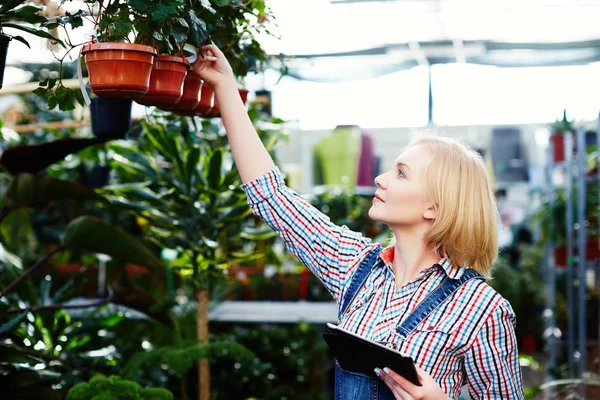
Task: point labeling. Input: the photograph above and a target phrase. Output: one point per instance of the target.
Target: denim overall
(355, 386)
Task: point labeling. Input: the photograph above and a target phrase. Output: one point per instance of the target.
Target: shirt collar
(387, 256)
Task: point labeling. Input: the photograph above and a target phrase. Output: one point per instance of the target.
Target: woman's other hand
(212, 66)
(405, 390)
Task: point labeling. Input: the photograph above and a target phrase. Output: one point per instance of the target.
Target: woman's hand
(212, 66)
(405, 390)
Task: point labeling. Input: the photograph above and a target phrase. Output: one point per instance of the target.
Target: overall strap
(360, 276)
(448, 287)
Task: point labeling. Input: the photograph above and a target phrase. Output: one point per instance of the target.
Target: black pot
(4, 39)
(111, 118)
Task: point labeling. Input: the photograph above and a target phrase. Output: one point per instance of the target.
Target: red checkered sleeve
(326, 249)
(492, 363)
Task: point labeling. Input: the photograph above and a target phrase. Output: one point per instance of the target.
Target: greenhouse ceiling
(368, 38)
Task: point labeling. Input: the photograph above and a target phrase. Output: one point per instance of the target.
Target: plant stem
(31, 269)
(60, 307)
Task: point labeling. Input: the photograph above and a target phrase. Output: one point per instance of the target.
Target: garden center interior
(129, 257)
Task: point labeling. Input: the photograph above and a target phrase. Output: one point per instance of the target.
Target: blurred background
(121, 245)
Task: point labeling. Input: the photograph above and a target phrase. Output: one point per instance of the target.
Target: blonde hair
(465, 229)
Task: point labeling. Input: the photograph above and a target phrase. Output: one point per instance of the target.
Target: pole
(569, 222)
(549, 271)
(581, 183)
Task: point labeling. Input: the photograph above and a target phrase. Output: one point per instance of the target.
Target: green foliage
(93, 235)
(181, 360)
(27, 190)
(185, 185)
(552, 215)
(523, 287)
(14, 10)
(113, 387)
(57, 94)
(293, 360)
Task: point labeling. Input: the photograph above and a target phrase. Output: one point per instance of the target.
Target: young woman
(426, 294)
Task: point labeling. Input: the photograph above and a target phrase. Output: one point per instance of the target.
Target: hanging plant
(15, 15)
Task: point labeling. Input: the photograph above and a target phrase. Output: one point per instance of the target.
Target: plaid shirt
(469, 339)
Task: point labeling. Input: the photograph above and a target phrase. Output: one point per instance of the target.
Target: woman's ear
(431, 212)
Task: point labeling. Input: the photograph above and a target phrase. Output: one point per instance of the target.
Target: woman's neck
(411, 256)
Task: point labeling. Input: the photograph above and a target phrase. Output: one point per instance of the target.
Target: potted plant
(114, 387)
(559, 128)
(552, 218)
(12, 12)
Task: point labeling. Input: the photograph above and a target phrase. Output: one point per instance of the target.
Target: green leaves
(27, 190)
(36, 32)
(9, 5)
(34, 158)
(93, 235)
(212, 169)
(57, 94)
(27, 14)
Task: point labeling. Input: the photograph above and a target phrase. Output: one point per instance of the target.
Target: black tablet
(357, 354)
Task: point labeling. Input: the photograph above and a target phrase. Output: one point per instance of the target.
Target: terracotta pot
(166, 81)
(559, 147)
(529, 344)
(192, 88)
(592, 252)
(215, 113)
(207, 101)
(134, 271)
(119, 69)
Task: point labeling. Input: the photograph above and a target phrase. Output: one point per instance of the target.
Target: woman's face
(400, 200)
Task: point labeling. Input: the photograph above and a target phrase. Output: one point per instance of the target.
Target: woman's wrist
(226, 85)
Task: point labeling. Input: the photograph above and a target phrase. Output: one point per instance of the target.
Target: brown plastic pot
(215, 113)
(192, 87)
(119, 69)
(166, 81)
(207, 101)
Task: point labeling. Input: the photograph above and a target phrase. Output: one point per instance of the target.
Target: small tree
(187, 188)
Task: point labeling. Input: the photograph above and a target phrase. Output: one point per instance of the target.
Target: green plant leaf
(258, 233)
(26, 190)
(35, 32)
(12, 324)
(93, 235)
(22, 40)
(28, 14)
(34, 158)
(191, 164)
(9, 5)
(215, 161)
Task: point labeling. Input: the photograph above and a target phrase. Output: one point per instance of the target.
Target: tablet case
(359, 355)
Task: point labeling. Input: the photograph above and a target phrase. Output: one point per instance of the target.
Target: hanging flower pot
(215, 113)
(192, 87)
(4, 40)
(119, 69)
(110, 117)
(207, 101)
(166, 81)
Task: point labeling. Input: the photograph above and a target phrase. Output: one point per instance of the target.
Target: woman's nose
(379, 181)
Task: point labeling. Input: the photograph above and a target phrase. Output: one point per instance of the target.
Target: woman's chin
(373, 214)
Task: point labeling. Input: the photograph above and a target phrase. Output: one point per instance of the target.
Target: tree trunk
(202, 327)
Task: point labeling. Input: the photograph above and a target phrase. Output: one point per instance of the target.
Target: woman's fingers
(400, 386)
(212, 47)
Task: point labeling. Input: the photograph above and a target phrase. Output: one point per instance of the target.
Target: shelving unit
(577, 267)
